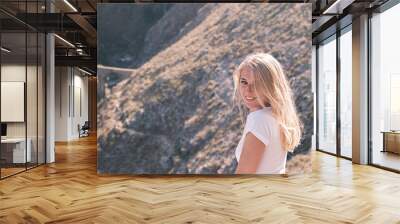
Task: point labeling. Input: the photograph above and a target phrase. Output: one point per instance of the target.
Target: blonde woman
(272, 126)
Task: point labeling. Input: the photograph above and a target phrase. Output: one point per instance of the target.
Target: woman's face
(247, 90)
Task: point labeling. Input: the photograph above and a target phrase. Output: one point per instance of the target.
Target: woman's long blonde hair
(271, 84)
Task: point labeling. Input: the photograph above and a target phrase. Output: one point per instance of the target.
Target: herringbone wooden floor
(70, 191)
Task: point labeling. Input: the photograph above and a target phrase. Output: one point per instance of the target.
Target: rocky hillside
(174, 112)
(122, 30)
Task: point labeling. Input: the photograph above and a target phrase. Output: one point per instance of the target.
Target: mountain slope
(174, 114)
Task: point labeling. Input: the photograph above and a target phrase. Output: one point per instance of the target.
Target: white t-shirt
(263, 125)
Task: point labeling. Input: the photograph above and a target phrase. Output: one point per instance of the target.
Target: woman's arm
(250, 157)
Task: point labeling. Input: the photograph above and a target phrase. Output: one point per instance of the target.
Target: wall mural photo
(204, 88)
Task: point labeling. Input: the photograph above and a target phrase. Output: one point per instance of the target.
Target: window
(22, 88)
(327, 95)
(346, 92)
(385, 88)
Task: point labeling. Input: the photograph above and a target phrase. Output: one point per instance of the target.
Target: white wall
(12, 73)
(12, 100)
(33, 126)
(70, 83)
(62, 81)
(9, 73)
(80, 89)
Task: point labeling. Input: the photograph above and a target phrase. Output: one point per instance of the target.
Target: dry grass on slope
(181, 97)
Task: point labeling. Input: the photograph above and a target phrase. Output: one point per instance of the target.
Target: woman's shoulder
(262, 120)
(262, 123)
(262, 115)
